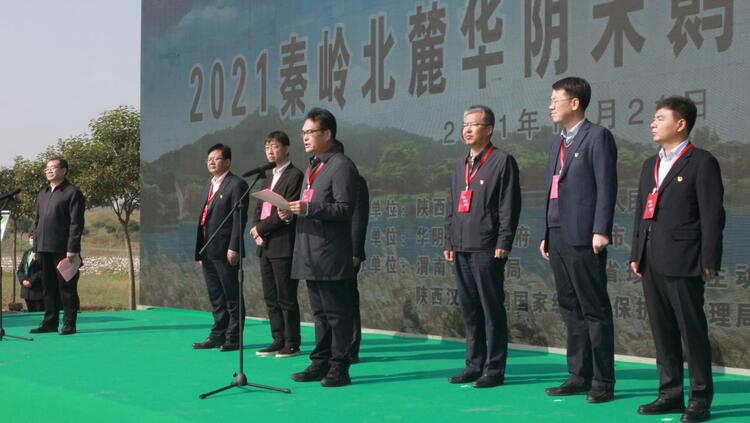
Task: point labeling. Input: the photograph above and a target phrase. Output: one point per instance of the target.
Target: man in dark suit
(482, 213)
(581, 192)
(677, 244)
(275, 240)
(29, 274)
(220, 260)
(360, 218)
(58, 228)
(323, 248)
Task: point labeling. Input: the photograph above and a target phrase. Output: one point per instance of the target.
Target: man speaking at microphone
(220, 259)
(323, 248)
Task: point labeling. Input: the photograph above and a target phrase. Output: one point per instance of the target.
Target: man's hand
(599, 242)
(709, 274)
(634, 268)
(35, 256)
(448, 255)
(254, 232)
(26, 283)
(356, 261)
(232, 257)
(259, 241)
(284, 214)
(543, 250)
(71, 256)
(298, 207)
(501, 253)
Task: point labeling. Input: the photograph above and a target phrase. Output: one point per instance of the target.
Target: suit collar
(675, 169)
(574, 146)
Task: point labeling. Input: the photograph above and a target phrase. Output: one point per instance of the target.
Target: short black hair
(682, 107)
(279, 136)
(324, 118)
(226, 152)
(488, 117)
(63, 163)
(576, 88)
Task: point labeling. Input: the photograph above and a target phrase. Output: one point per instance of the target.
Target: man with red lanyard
(481, 220)
(677, 245)
(323, 248)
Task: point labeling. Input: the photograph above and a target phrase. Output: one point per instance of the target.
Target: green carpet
(139, 366)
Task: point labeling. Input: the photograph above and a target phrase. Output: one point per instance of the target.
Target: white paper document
(273, 198)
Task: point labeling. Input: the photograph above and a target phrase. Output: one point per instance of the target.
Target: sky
(63, 63)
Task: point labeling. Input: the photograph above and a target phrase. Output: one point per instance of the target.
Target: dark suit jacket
(687, 229)
(495, 206)
(58, 225)
(323, 246)
(360, 219)
(279, 235)
(33, 273)
(231, 234)
(587, 188)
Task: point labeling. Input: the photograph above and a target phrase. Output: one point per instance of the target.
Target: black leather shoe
(43, 329)
(567, 389)
(288, 351)
(336, 377)
(270, 350)
(229, 346)
(68, 330)
(696, 413)
(662, 406)
(487, 381)
(310, 374)
(464, 377)
(596, 396)
(206, 345)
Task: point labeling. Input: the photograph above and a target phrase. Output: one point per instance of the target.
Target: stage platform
(138, 366)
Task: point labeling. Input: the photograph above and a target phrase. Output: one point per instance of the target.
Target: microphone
(11, 194)
(262, 170)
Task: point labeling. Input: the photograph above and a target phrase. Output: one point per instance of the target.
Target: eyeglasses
(310, 131)
(214, 159)
(473, 125)
(554, 101)
(51, 168)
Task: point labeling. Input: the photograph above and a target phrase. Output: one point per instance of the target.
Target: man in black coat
(275, 240)
(220, 260)
(29, 274)
(323, 248)
(677, 245)
(58, 228)
(480, 223)
(580, 206)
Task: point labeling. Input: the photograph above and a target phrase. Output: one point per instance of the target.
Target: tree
(110, 173)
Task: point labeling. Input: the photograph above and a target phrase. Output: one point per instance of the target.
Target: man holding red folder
(58, 227)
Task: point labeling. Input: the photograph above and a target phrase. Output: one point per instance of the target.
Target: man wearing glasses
(581, 191)
(323, 248)
(58, 228)
(220, 259)
(481, 220)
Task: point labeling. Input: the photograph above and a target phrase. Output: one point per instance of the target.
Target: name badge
(266, 210)
(307, 195)
(553, 189)
(648, 212)
(464, 201)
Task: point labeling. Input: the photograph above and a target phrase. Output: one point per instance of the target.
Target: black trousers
(581, 284)
(58, 294)
(675, 312)
(34, 305)
(224, 294)
(356, 314)
(479, 280)
(331, 306)
(280, 296)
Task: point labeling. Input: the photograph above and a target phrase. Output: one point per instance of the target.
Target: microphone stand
(2, 330)
(240, 379)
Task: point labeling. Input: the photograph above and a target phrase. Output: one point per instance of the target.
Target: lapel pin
(679, 179)
(481, 182)
(576, 154)
(221, 196)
